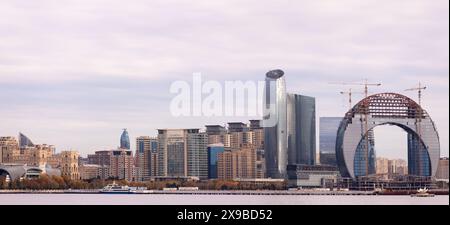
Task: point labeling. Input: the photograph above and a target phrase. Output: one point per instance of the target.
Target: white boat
(422, 192)
(116, 189)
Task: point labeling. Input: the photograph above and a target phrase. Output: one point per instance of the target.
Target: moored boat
(422, 192)
(116, 189)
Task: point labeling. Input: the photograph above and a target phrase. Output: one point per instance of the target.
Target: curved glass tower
(275, 124)
(125, 140)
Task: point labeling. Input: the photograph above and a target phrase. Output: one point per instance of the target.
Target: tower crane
(350, 93)
(419, 91)
(366, 85)
(419, 115)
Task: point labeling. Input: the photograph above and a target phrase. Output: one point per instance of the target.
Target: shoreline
(219, 192)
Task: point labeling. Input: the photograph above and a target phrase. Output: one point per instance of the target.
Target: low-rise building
(14, 171)
(22, 151)
(442, 170)
(89, 171)
(312, 176)
(69, 164)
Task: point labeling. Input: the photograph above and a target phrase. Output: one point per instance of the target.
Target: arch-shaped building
(388, 109)
(16, 171)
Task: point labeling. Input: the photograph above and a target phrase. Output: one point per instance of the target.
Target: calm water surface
(162, 199)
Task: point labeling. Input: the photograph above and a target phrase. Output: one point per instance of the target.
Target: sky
(74, 73)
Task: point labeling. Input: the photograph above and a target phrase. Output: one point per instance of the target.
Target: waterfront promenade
(197, 192)
(214, 192)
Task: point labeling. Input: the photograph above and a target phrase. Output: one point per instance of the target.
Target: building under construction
(353, 145)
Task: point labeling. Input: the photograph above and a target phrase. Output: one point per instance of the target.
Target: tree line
(45, 182)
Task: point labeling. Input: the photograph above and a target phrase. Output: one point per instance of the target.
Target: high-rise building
(116, 164)
(327, 139)
(398, 167)
(382, 166)
(216, 134)
(122, 165)
(289, 127)
(102, 158)
(260, 164)
(237, 127)
(234, 164)
(125, 140)
(213, 157)
(255, 124)
(182, 153)
(236, 158)
(146, 157)
(275, 124)
(301, 129)
(82, 160)
(257, 140)
(391, 167)
(215, 129)
(171, 151)
(226, 169)
(197, 155)
(237, 139)
(442, 171)
(140, 160)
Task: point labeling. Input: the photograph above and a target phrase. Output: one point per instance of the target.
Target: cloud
(112, 63)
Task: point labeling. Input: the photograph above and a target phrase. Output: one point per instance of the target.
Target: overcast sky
(74, 73)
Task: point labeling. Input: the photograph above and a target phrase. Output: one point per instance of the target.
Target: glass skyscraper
(125, 140)
(182, 152)
(146, 157)
(301, 123)
(213, 154)
(289, 127)
(275, 124)
(327, 139)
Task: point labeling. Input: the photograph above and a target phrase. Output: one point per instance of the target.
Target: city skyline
(77, 88)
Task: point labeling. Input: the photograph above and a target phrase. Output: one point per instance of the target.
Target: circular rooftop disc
(275, 74)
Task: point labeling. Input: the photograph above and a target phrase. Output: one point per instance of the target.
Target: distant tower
(24, 141)
(125, 140)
